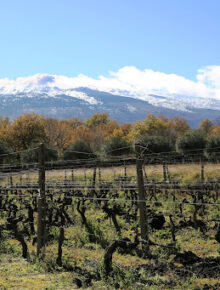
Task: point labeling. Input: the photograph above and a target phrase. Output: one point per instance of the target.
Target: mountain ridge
(124, 99)
(83, 102)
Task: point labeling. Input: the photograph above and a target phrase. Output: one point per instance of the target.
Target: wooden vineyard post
(41, 202)
(202, 172)
(85, 176)
(164, 172)
(94, 178)
(142, 202)
(100, 176)
(11, 181)
(21, 180)
(72, 175)
(125, 173)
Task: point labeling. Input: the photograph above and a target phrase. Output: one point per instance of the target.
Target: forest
(103, 137)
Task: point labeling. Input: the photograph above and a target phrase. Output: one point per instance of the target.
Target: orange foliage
(59, 133)
(82, 133)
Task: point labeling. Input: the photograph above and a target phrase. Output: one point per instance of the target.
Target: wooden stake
(142, 202)
(164, 172)
(100, 177)
(202, 172)
(72, 175)
(41, 202)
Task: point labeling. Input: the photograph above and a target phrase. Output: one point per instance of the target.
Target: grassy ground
(186, 173)
(82, 258)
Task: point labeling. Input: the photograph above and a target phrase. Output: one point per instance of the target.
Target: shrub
(154, 144)
(192, 142)
(78, 150)
(3, 150)
(116, 146)
(213, 147)
(32, 154)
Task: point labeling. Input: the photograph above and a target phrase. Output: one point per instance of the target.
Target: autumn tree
(96, 120)
(206, 126)
(25, 130)
(74, 122)
(215, 130)
(159, 126)
(82, 133)
(122, 131)
(175, 126)
(59, 133)
(101, 133)
(4, 126)
(4, 122)
(126, 128)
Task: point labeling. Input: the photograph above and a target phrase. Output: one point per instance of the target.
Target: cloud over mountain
(128, 81)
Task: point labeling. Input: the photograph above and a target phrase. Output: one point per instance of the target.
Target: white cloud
(136, 83)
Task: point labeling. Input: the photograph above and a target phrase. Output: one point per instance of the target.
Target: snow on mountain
(177, 92)
(155, 91)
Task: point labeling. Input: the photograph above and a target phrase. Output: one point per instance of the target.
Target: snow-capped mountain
(63, 97)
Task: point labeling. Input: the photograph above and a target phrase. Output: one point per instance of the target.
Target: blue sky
(93, 37)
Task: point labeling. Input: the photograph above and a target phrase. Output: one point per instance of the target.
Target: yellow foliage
(215, 130)
(74, 122)
(160, 126)
(97, 119)
(4, 126)
(206, 125)
(117, 133)
(25, 130)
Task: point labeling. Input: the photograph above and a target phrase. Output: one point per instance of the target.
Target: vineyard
(147, 222)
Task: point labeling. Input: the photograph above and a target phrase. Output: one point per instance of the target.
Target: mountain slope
(83, 102)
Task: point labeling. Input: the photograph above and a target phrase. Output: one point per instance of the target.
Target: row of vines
(105, 203)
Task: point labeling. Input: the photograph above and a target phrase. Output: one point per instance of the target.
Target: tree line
(100, 136)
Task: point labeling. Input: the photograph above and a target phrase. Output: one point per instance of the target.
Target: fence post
(41, 201)
(142, 202)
